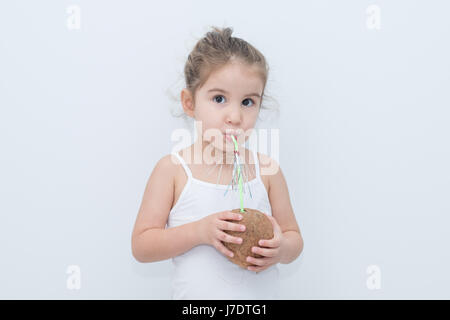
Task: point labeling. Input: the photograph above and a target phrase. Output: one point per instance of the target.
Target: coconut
(257, 227)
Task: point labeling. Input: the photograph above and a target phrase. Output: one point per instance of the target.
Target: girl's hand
(210, 230)
(271, 250)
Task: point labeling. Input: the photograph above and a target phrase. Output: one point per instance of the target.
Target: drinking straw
(236, 151)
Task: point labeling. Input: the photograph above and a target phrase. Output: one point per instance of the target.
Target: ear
(187, 101)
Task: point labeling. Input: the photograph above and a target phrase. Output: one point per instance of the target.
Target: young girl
(225, 80)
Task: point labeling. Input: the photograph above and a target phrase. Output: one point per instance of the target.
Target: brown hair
(216, 49)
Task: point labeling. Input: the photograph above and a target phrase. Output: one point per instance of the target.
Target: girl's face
(228, 102)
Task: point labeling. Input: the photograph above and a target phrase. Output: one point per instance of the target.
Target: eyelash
(245, 99)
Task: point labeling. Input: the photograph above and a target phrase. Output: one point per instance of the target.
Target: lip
(232, 132)
(228, 136)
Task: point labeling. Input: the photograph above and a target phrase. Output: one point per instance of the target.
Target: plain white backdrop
(363, 92)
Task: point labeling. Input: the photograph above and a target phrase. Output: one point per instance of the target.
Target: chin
(226, 146)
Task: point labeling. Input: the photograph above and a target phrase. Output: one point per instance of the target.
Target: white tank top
(203, 272)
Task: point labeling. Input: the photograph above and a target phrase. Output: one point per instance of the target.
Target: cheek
(250, 119)
(211, 119)
(206, 114)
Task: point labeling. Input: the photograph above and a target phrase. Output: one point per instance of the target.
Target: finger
(258, 261)
(228, 215)
(224, 225)
(221, 248)
(227, 238)
(270, 253)
(271, 243)
(257, 269)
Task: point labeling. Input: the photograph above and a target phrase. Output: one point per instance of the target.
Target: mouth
(229, 133)
(228, 137)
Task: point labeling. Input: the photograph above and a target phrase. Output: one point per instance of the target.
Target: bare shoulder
(269, 168)
(164, 171)
(158, 196)
(168, 163)
(170, 166)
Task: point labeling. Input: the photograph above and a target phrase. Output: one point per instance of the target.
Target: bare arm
(151, 241)
(161, 244)
(294, 246)
(282, 209)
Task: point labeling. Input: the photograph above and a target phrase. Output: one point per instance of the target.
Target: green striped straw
(236, 148)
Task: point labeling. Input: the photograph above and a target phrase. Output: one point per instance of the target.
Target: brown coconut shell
(257, 227)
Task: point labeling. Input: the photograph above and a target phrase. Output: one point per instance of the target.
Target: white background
(364, 113)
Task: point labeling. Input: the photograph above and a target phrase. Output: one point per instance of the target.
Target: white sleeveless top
(203, 272)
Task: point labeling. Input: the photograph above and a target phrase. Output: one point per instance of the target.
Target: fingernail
(231, 255)
(242, 228)
(260, 242)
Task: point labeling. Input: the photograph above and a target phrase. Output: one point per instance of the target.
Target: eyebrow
(247, 95)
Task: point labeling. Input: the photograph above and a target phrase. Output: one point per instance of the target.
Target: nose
(234, 115)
